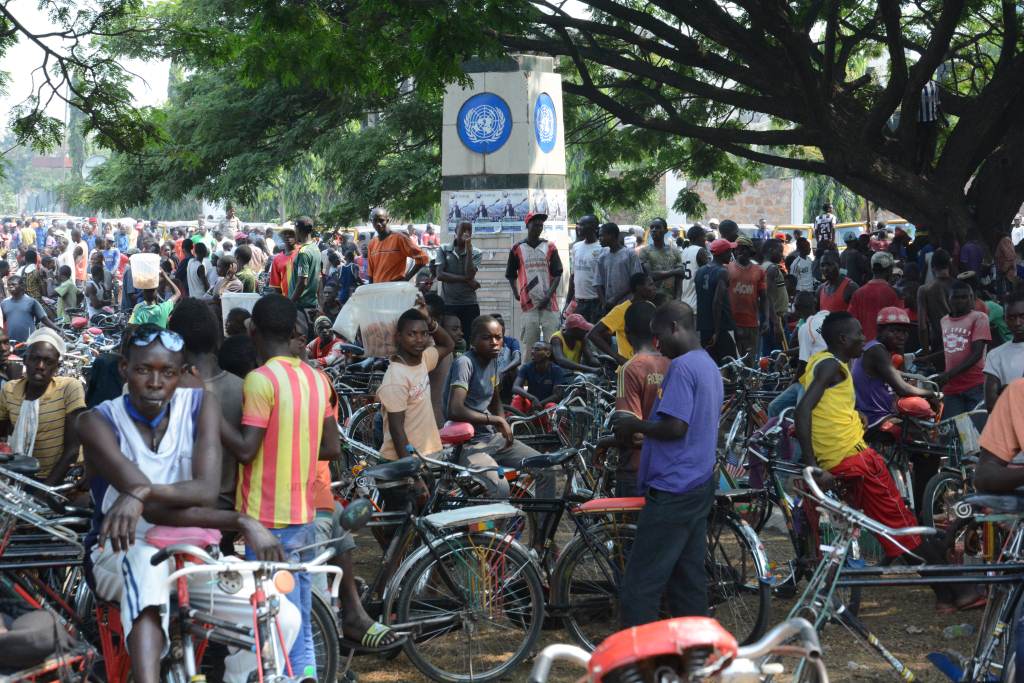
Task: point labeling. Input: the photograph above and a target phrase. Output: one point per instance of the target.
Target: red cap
(577, 322)
(893, 315)
(535, 214)
(720, 246)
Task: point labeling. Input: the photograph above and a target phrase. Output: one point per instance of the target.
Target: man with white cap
(38, 411)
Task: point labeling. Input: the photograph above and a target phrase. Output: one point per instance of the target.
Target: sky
(149, 87)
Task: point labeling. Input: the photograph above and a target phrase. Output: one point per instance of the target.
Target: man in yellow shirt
(642, 288)
(831, 435)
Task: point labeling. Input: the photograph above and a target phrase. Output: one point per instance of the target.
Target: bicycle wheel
(476, 609)
(325, 639)
(941, 493)
(364, 427)
(586, 581)
(738, 593)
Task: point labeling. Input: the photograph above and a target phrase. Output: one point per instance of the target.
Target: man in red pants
(831, 435)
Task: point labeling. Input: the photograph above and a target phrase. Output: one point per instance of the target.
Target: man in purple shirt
(676, 467)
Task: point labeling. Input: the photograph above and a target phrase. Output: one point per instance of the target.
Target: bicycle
(822, 601)
(192, 630)
(454, 583)
(994, 654)
(585, 577)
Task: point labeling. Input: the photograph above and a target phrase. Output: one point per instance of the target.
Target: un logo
(545, 123)
(484, 123)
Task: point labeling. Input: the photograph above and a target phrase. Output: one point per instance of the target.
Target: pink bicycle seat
(915, 406)
(79, 322)
(163, 536)
(454, 433)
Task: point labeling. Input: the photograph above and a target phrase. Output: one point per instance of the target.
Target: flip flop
(371, 641)
(977, 603)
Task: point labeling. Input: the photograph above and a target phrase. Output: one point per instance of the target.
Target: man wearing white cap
(38, 411)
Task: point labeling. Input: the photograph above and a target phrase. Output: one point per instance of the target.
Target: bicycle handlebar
(779, 634)
(552, 653)
(856, 516)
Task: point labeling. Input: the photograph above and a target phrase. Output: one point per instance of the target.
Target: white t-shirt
(1006, 362)
(1016, 235)
(809, 336)
(688, 283)
(802, 270)
(584, 268)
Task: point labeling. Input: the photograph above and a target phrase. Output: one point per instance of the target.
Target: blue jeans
(954, 404)
(787, 399)
(292, 538)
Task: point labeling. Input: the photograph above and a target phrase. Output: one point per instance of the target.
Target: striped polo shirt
(63, 397)
(289, 399)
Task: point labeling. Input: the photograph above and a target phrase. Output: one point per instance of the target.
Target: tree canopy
(707, 88)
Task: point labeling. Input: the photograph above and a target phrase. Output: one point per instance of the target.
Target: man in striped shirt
(287, 425)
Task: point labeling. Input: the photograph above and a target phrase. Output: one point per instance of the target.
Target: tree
(707, 71)
(75, 69)
(707, 88)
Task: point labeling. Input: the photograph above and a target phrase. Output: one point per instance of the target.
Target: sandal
(372, 639)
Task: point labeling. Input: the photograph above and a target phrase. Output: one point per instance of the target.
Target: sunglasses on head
(172, 341)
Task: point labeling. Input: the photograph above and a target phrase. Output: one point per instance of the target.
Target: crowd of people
(223, 419)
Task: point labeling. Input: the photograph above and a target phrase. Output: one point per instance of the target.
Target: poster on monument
(493, 211)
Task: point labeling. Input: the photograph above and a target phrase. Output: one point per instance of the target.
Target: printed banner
(494, 211)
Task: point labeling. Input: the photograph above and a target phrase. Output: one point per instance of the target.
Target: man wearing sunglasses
(152, 456)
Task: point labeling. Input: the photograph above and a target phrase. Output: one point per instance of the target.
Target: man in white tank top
(153, 458)
(694, 256)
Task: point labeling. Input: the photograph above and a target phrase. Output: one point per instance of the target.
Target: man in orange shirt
(1001, 441)
(389, 250)
(747, 298)
(281, 266)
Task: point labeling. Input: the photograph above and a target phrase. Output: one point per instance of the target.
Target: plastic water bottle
(957, 631)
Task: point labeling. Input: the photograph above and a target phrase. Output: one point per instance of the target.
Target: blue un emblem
(545, 123)
(484, 123)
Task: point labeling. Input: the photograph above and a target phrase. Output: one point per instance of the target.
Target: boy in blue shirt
(539, 382)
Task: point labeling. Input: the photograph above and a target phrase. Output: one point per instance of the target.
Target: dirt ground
(902, 618)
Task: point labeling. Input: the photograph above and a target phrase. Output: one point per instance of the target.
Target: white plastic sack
(373, 310)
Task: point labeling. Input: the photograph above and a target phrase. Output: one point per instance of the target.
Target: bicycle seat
(455, 433)
(79, 323)
(352, 349)
(163, 536)
(95, 331)
(600, 505)
(393, 471)
(1011, 503)
(364, 365)
(915, 406)
(668, 638)
(22, 464)
(539, 462)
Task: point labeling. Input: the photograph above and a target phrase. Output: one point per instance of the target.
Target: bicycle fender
(760, 555)
(393, 586)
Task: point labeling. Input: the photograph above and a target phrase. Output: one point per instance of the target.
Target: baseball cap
(744, 241)
(893, 315)
(882, 259)
(575, 321)
(535, 214)
(720, 246)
